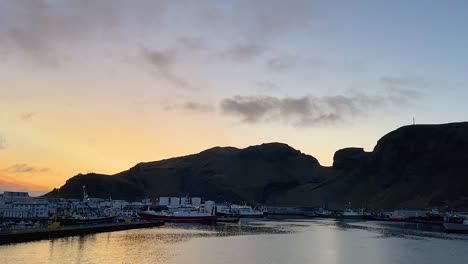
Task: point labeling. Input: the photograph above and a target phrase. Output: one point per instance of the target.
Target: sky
(99, 86)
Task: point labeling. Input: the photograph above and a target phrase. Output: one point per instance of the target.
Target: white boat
(324, 213)
(201, 215)
(350, 213)
(239, 211)
(245, 211)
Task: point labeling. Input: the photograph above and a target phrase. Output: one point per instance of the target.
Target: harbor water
(252, 241)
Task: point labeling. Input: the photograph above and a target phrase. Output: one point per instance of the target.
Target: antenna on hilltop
(414, 121)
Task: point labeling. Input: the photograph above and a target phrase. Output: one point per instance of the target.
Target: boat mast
(85, 196)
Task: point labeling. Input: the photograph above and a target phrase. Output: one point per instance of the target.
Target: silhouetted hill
(417, 166)
(254, 174)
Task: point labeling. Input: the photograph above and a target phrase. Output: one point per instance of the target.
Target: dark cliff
(419, 166)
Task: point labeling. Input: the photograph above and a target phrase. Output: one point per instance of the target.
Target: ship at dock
(201, 214)
(241, 211)
(84, 212)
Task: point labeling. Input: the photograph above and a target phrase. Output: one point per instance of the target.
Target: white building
(15, 196)
(15, 213)
(4, 207)
(164, 201)
(28, 209)
(174, 201)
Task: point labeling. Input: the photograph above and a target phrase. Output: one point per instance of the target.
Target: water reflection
(252, 241)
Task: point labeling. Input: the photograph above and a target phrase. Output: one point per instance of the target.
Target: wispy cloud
(27, 116)
(10, 184)
(261, 20)
(243, 52)
(163, 62)
(303, 111)
(44, 31)
(307, 110)
(267, 85)
(191, 43)
(404, 89)
(25, 168)
(3, 143)
(190, 106)
(282, 63)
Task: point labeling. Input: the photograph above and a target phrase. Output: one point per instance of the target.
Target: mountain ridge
(412, 167)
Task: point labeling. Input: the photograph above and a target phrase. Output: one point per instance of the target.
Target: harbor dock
(455, 228)
(26, 235)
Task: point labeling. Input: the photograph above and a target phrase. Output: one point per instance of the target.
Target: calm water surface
(252, 241)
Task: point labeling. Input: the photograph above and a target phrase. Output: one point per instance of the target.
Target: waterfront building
(15, 196)
(33, 209)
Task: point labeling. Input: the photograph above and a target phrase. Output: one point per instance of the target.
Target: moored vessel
(204, 214)
(349, 213)
(82, 220)
(84, 212)
(239, 211)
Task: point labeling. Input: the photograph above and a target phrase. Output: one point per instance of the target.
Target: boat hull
(172, 218)
(235, 215)
(86, 221)
(350, 217)
(227, 220)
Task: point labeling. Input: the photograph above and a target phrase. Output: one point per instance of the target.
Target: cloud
(243, 52)
(27, 116)
(46, 31)
(282, 63)
(25, 168)
(191, 43)
(163, 61)
(259, 21)
(3, 143)
(279, 64)
(395, 91)
(267, 85)
(190, 106)
(302, 111)
(10, 184)
(404, 89)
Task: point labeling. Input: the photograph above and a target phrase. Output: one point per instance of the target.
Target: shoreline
(20, 236)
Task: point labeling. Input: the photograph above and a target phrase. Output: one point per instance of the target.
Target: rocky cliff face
(419, 166)
(413, 167)
(351, 159)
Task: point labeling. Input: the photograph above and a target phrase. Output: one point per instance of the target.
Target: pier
(26, 235)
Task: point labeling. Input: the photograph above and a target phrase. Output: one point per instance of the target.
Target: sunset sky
(98, 86)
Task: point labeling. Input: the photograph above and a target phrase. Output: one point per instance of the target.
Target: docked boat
(201, 215)
(83, 220)
(84, 212)
(349, 213)
(323, 213)
(396, 217)
(241, 211)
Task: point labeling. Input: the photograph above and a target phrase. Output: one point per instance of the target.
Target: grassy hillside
(419, 166)
(256, 174)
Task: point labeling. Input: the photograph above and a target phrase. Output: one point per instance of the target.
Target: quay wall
(18, 236)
